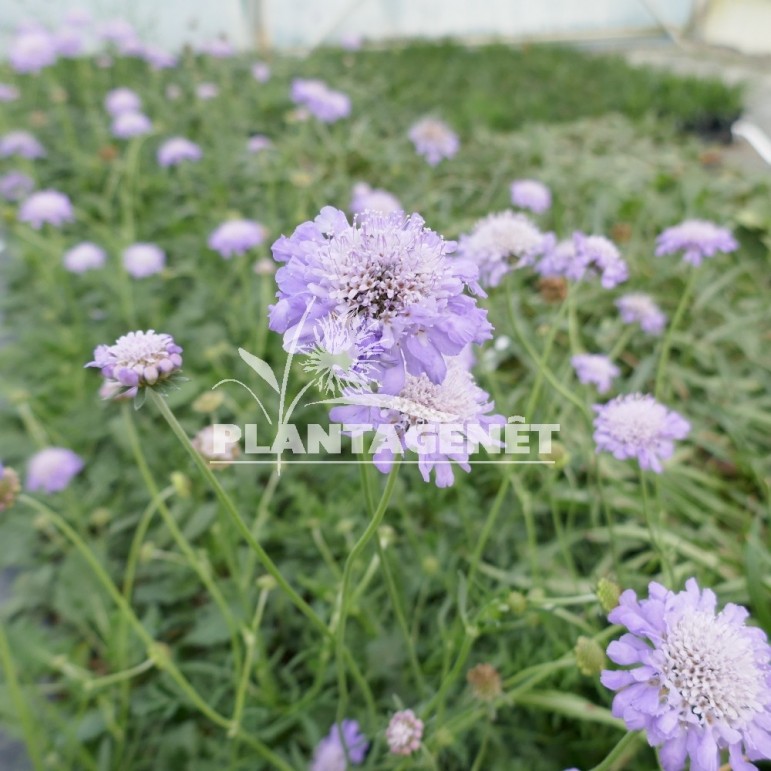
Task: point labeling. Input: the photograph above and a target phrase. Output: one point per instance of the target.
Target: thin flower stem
(487, 529)
(118, 677)
(626, 744)
(653, 529)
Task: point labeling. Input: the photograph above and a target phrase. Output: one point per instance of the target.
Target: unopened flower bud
(208, 402)
(181, 484)
(608, 593)
(485, 682)
(590, 657)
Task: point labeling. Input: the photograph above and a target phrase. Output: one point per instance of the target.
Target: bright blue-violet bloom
(697, 239)
(698, 682)
(330, 753)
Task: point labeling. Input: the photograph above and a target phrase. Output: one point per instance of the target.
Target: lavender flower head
(78, 17)
(142, 260)
(404, 733)
(434, 140)
(206, 91)
(177, 150)
(697, 239)
(8, 93)
(128, 125)
(637, 426)
(121, 100)
(321, 101)
(258, 143)
(373, 199)
(47, 207)
(560, 260)
(217, 48)
(329, 754)
(531, 194)
(15, 185)
(21, 144)
(236, 237)
(84, 257)
(32, 50)
(51, 470)
(640, 308)
(390, 271)
(501, 242)
(698, 681)
(261, 72)
(159, 58)
(137, 360)
(595, 369)
(596, 254)
(68, 41)
(117, 31)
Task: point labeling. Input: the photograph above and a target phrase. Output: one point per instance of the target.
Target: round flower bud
(590, 658)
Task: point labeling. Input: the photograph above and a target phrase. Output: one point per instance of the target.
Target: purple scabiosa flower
(15, 185)
(596, 369)
(560, 261)
(21, 144)
(84, 257)
(214, 444)
(68, 41)
(501, 242)
(121, 100)
(176, 150)
(206, 91)
(404, 733)
(137, 360)
(8, 93)
(258, 143)
(330, 753)
(697, 239)
(32, 50)
(158, 58)
(389, 270)
(351, 41)
(531, 194)
(640, 308)
(142, 260)
(321, 101)
(128, 125)
(236, 237)
(597, 254)
(434, 140)
(698, 682)
(366, 198)
(261, 72)
(637, 426)
(218, 48)
(52, 469)
(47, 207)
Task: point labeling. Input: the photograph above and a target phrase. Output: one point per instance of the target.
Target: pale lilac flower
(351, 41)
(84, 257)
(597, 254)
(159, 58)
(388, 269)
(258, 143)
(404, 733)
(323, 103)
(177, 150)
(32, 50)
(46, 207)
(697, 681)
(434, 140)
(128, 125)
(21, 144)
(131, 46)
(261, 72)
(218, 48)
(213, 444)
(637, 426)
(560, 260)
(121, 100)
(501, 242)
(15, 185)
(531, 194)
(142, 260)
(329, 754)
(8, 93)
(51, 470)
(697, 239)
(595, 369)
(138, 359)
(206, 91)
(68, 41)
(236, 237)
(366, 198)
(640, 308)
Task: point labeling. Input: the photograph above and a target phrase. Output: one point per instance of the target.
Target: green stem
(628, 740)
(492, 517)
(654, 531)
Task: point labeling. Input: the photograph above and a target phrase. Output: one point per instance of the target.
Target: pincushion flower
(390, 271)
(404, 733)
(51, 470)
(236, 237)
(8, 93)
(68, 41)
(261, 72)
(640, 308)
(84, 257)
(32, 50)
(46, 207)
(217, 48)
(15, 185)
(596, 369)
(597, 254)
(697, 239)
(137, 360)
(177, 150)
(121, 100)
(206, 91)
(158, 58)
(434, 140)
(128, 125)
(117, 31)
(258, 143)
(367, 198)
(21, 144)
(531, 194)
(561, 260)
(330, 754)
(698, 681)
(501, 242)
(637, 426)
(142, 260)
(321, 101)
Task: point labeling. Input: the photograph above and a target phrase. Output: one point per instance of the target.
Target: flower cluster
(404, 733)
(320, 100)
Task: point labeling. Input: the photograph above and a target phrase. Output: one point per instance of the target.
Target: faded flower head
(15, 185)
(121, 100)
(697, 239)
(640, 308)
(485, 682)
(531, 194)
(595, 369)
(206, 91)
(8, 93)
(434, 140)
(322, 102)
(236, 237)
(404, 733)
(212, 444)
(177, 150)
(137, 360)
(142, 260)
(84, 257)
(21, 144)
(261, 72)
(330, 752)
(637, 426)
(131, 124)
(46, 207)
(51, 470)
(366, 198)
(597, 254)
(32, 50)
(10, 487)
(698, 681)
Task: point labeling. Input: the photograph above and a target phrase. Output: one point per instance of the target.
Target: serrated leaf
(261, 368)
